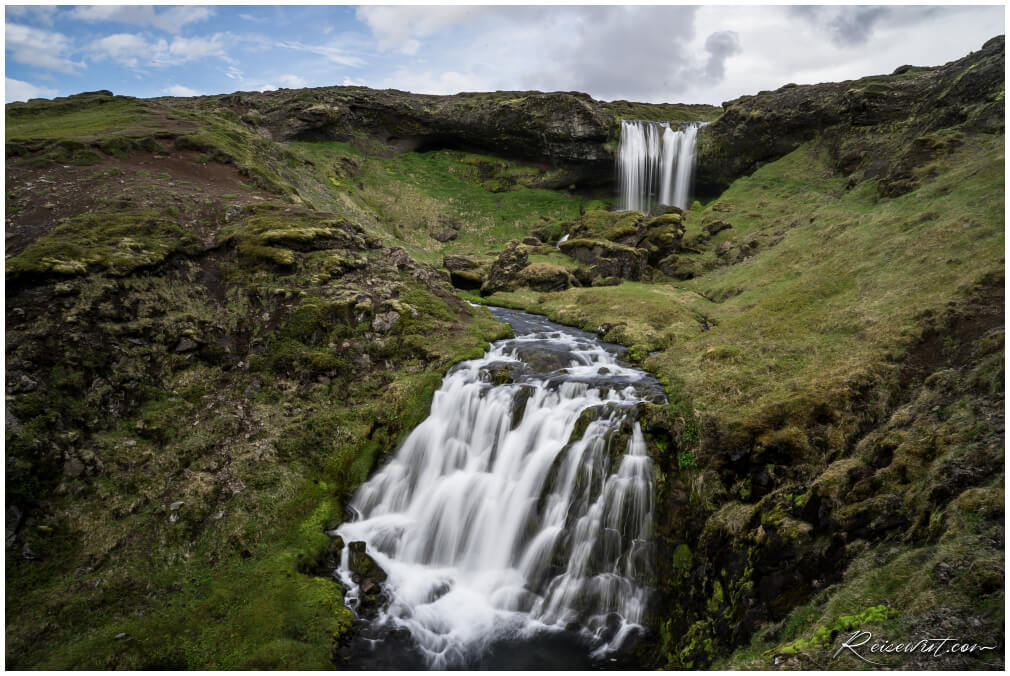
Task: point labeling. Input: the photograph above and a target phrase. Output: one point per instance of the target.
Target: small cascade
(655, 164)
(517, 510)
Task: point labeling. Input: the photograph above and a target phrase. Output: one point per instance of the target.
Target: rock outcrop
(758, 129)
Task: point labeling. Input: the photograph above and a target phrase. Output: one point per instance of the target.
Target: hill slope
(223, 312)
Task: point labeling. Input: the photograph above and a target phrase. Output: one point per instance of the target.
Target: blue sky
(703, 54)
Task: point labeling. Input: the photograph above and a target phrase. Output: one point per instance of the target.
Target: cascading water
(655, 164)
(518, 510)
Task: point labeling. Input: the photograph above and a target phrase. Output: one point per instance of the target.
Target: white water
(493, 528)
(655, 164)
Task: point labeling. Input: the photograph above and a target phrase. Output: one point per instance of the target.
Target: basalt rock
(754, 130)
(465, 273)
(503, 272)
(546, 277)
(607, 259)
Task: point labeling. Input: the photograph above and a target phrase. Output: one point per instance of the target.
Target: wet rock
(363, 565)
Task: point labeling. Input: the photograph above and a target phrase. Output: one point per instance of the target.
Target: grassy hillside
(220, 318)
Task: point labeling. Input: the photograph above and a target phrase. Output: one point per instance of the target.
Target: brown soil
(38, 200)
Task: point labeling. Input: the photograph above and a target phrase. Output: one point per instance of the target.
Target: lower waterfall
(520, 508)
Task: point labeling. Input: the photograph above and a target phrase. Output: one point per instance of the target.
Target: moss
(117, 242)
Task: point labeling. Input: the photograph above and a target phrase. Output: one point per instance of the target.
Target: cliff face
(564, 129)
(909, 103)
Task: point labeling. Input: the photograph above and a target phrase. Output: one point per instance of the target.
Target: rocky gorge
(225, 314)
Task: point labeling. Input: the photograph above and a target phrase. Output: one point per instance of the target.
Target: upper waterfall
(655, 164)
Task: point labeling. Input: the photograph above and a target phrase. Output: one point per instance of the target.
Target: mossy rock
(115, 242)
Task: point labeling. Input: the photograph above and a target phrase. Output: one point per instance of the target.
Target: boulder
(364, 565)
(503, 272)
(446, 235)
(679, 267)
(723, 248)
(607, 259)
(546, 277)
(715, 228)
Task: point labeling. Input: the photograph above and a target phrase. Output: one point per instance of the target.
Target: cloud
(853, 25)
(403, 28)
(42, 14)
(124, 48)
(429, 82)
(720, 46)
(170, 20)
(17, 90)
(266, 88)
(133, 50)
(331, 52)
(40, 48)
(292, 81)
(179, 90)
(250, 17)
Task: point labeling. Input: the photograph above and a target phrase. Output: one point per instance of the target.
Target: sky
(672, 53)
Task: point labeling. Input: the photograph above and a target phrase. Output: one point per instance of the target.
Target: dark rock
(465, 273)
(546, 277)
(679, 267)
(186, 345)
(363, 565)
(607, 259)
(73, 468)
(715, 228)
(754, 130)
(503, 272)
(12, 519)
(446, 235)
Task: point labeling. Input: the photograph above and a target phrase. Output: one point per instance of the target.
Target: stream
(512, 529)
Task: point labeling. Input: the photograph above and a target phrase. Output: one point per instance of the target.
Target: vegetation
(213, 338)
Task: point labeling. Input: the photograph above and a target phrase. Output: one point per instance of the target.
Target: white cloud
(266, 88)
(292, 81)
(331, 52)
(124, 48)
(17, 90)
(250, 17)
(170, 20)
(42, 14)
(133, 50)
(182, 50)
(40, 48)
(179, 90)
(429, 82)
(403, 28)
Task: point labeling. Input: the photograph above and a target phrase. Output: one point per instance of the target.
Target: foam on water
(496, 520)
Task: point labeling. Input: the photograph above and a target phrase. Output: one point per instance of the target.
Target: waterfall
(517, 509)
(655, 164)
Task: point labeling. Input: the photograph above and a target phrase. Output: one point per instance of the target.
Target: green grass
(29, 121)
(835, 284)
(415, 195)
(117, 242)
